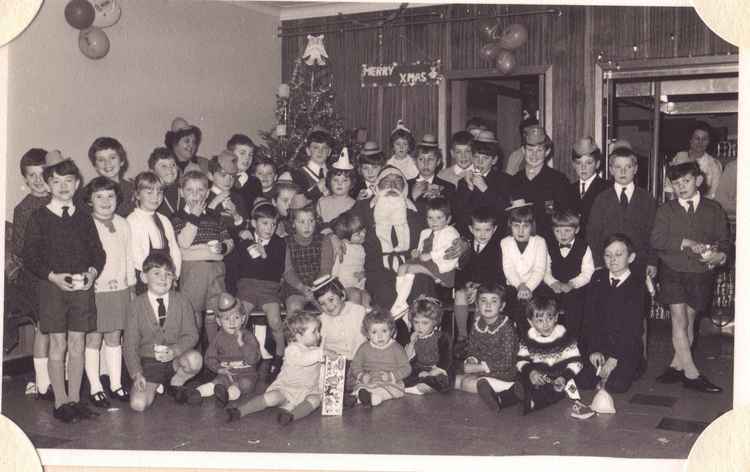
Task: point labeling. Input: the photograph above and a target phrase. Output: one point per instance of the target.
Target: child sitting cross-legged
(297, 388)
(489, 368)
(380, 365)
(232, 354)
(548, 357)
(160, 338)
(429, 350)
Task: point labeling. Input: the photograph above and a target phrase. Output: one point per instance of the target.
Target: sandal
(99, 400)
(120, 394)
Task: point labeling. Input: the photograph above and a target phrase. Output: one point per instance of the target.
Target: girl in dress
(350, 270)
(297, 388)
(339, 181)
(403, 145)
(113, 290)
(429, 349)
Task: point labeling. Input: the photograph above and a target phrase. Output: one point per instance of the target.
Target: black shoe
(222, 395)
(66, 413)
(193, 397)
(670, 376)
(365, 398)
(99, 400)
(49, 395)
(350, 401)
(233, 414)
(83, 411)
(508, 398)
(284, 418)
(120, 394)
(488, 395)
(701, 384)
(275, 367)
(180, 394)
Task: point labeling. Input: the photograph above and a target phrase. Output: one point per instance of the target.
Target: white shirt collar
(242, 178)
(315, 167)
(622, 277)
(588, 181)
(422, 179)
(258, 239)
(56, 207)
(629, 189)
(695, 199)
(155, 305)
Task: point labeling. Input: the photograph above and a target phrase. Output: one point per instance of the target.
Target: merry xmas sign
(401, 75)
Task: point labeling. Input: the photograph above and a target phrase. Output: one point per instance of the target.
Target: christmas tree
(304, 103)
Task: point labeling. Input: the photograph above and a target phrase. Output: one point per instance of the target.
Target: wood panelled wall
(569, 43)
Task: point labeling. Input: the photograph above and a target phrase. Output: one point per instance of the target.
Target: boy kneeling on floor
(160, 337)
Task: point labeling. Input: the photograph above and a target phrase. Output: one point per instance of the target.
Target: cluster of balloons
(501, 46)
(90, 16)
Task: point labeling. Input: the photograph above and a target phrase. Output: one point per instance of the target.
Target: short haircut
(171, 138)
(375, 317)
(147, 179)
(32, 157)
(622, 238)
(596, 155)
(263, 161)
(103, 143)
(333, 172)
(541, 304)
(623, 152)
(334, 286)
(194, 175)
(680, 170)
(702, 126)
(319, 137)
(496, 289)
(402, 134)
(440, 204)
(309, 208)
(213, 165)
(435, 151)
(264, 210)
(488, 149)
(522, 215)
(377, 159)
(158, 260)
(160, 154)
(297, 324)
(484, 214)
(282, 187)
(347, 224)
(566, 218)
(462, 138)
(99, 184)
(239, 140)
(426, 308)
(63, 168)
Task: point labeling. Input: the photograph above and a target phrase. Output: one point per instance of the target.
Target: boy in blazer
(586, 160)
(160, 338)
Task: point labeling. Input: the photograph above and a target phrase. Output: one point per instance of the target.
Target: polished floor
(652, 421)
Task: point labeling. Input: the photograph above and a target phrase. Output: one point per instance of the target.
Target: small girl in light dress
(350, 270)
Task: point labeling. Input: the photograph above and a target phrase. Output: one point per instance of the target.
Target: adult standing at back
(700, 139)
(183, 139)
(538, 183)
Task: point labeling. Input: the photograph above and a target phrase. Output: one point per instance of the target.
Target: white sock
(91, 364)
(403, 288)
(103, 367)
(413, 390)
(207, 389)
(41, 374)
(113, 360)
(234, 392)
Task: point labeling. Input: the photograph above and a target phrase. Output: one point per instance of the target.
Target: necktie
(614, 282)
(691, 208)
(623, 199)
(65, 213)
(477, 246)
(583, 188)
(427, 245)
(162, 312)
(157, 221)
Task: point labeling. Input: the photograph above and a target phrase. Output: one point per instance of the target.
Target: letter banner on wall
(401, 75)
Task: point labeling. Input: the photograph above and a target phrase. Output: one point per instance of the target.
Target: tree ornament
(315, 52)
(513, 36)
(506, 61)
(93, 43)
(80, 14)
(107, 13)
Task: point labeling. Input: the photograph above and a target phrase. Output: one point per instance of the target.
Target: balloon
(506, 61)
(488, 28)
(79, 14)
(93, 43)
(489, 51)
(513, 36)
(107, 13)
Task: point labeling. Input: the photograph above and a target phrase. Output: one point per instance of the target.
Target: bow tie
(566, 246)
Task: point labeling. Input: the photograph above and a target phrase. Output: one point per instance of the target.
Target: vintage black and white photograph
(369, 228)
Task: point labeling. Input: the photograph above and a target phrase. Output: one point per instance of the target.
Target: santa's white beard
(390, 210)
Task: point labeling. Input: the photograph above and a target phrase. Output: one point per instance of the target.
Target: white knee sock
(403, 288)
(41, 374)
(91, 364)
(207, 389)
(113, 360)
(234, 392)
(103, 367)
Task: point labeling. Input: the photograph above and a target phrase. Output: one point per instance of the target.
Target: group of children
(165, 270)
